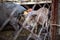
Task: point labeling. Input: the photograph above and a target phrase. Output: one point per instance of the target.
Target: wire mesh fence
(36, 23)
(31, 24)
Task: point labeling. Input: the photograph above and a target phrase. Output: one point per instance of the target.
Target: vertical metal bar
(54, 19)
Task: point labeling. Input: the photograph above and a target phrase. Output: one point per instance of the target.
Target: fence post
(54, 19)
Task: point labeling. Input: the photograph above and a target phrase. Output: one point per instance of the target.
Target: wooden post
(54, 19)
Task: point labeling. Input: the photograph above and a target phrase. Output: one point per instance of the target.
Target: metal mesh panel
(41, 17)
(31, 24)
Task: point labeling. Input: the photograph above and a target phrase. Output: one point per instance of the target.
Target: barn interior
(29, 20)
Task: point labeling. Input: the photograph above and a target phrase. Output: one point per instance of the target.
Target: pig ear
(43, 10)
(46, 11)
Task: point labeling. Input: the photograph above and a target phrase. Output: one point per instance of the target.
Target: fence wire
(41, 17)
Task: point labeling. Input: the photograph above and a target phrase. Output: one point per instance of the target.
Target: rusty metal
(54, 19)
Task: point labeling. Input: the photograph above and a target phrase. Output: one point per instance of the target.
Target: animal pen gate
(46, 17)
